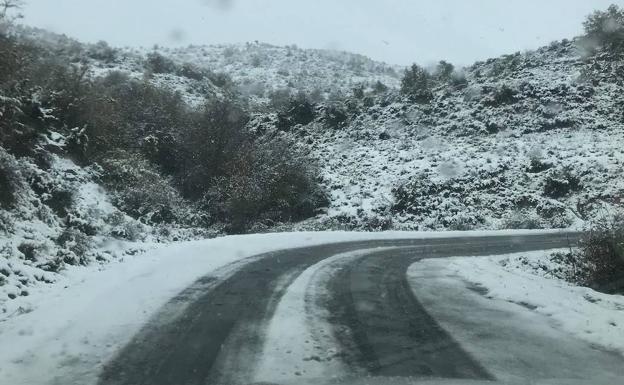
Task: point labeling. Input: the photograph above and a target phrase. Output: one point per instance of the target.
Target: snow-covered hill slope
(256, 71)
(530, 140)
(259, 66)
(533, 140)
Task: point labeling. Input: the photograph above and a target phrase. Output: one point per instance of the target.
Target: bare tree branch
(6, 5)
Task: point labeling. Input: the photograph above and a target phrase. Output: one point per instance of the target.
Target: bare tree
(7, 5)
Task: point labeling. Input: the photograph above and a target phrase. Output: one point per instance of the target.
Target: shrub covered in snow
(602, 251)
(299, 110)
(268, 185)
(140, 191)
(158, 64)
(561, 183)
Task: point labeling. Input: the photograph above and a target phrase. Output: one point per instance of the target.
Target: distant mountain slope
(284, 67)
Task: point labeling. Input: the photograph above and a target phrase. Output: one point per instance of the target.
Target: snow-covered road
(517, 327)
(336, 310)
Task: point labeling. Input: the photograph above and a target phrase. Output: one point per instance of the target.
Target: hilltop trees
(606, 28)
(444, 71)
(417, 84)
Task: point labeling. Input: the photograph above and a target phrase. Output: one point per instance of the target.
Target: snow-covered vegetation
(104, 146)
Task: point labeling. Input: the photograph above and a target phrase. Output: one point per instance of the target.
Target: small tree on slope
(416, 84)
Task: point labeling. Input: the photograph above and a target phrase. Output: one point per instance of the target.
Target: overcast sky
(395, 31)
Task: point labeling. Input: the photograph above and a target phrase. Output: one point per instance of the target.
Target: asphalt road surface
(214, 331)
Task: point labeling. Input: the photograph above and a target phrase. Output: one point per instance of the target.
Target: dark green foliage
(13, 57)
(522, 220)
(379, 87)
(191, 71)
(557, 122)
(300, 110)
(561, 183)
(506, 64)
(606, 28)
(60, 201)
(446, 200)
(280, 98)
(459, 80)
(444, 71)
(117, 113)
(416, 84)
(102, 51)
(602, 249)
(215, 137)
(7, 190)
(358, 92)
(335, 117)
(20, 117)
(220, 79)
(163, 150)
(500, 96)
(536, 166)
(158, 64)
(75, 246)
(140, 191)
(377, 223)
(29, 250)
(269, 184)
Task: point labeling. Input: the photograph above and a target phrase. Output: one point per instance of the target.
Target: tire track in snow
(217, 334)
(388, 332)
(299, 341)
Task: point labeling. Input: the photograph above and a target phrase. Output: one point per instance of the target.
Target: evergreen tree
(416, 84)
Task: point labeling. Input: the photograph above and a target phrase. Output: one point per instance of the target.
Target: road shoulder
(517, 323)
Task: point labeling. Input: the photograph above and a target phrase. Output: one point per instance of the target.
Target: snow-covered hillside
(531, 140)
(528, 140)
(257, 71)
(262, 68)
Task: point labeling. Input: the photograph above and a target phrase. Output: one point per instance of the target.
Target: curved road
(214, 332)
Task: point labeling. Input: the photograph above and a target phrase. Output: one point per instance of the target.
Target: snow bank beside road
(581, 312)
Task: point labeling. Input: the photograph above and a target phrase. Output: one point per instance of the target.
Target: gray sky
(395, 31)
